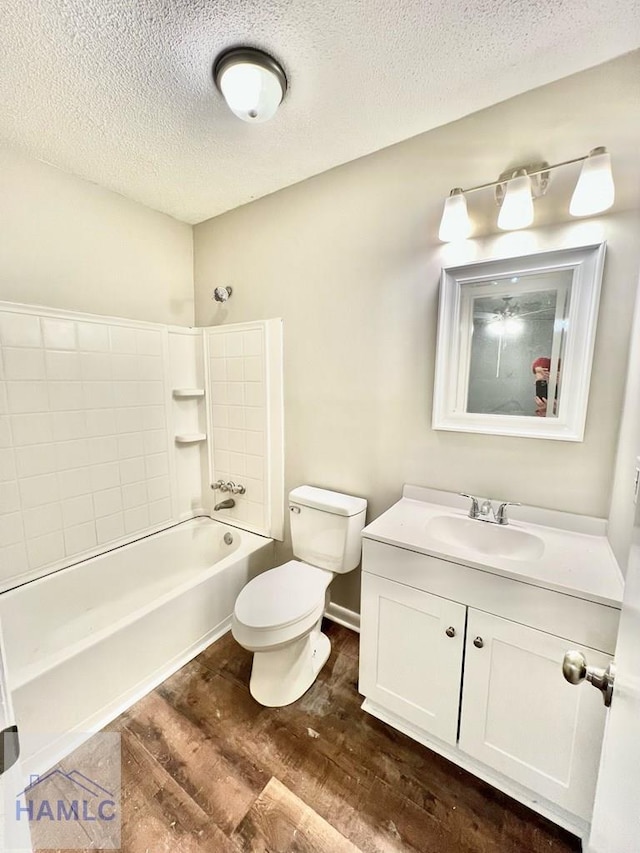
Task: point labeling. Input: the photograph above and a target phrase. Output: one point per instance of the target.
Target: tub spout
(228, 504)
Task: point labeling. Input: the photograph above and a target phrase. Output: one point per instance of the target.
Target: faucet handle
(474, 510)
(236, 488)
(501, 514)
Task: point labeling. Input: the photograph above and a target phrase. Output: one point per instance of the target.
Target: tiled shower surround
(84, 435)
(87, 452)
(244, 369)
(238, 411)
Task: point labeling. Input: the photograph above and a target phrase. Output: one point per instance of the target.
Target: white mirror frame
(453, 347)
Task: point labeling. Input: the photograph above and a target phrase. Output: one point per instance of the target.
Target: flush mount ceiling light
(252, 83)
(516, 189)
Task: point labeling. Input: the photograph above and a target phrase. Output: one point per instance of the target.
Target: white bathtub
(84, 643)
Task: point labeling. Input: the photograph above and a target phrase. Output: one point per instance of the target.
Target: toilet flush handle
(295, 509)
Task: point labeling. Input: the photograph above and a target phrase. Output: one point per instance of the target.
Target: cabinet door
(408, 662)
(521, 717)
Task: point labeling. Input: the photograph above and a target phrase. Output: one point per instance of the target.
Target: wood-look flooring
(205, 769)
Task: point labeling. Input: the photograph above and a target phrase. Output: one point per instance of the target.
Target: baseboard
(343, 616)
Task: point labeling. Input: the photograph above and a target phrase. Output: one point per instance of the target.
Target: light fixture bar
(515, 192)
(539, 171)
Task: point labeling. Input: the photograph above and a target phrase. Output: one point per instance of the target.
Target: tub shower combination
(84, 643)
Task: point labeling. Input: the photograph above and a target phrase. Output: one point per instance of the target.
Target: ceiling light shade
(252, 83)
(455, 223)
(595, 190)
(517, 207)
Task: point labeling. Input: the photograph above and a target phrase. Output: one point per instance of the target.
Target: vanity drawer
(578, 620)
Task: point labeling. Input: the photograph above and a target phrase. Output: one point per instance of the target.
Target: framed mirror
(515, 344)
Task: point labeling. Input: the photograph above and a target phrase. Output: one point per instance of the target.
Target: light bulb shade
(517, 207)
(595, 190)
(253, 83)
(455, 223)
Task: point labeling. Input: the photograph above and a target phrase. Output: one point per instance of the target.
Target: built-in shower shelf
(191, 438)
(184, 393)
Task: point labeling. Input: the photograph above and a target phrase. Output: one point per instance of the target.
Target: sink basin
(486, 538)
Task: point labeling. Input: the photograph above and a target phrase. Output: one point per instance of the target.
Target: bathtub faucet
(228, 504)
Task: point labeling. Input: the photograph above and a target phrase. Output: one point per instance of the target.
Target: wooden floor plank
(256, 734)
(158, 816)
(280, 822)
(221, 783)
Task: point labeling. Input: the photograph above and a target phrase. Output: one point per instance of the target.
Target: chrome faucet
(500, 514)
(229, 503)
(474, 510)
(485, 511)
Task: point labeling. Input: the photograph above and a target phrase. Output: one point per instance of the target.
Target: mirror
(515, 344)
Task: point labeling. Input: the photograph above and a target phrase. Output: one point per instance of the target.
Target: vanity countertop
(573, 562)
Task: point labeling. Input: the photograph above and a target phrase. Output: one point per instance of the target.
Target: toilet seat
(280, 605)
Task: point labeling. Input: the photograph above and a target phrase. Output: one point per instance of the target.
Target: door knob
(478, 642)
(575, 670)
(451, 631)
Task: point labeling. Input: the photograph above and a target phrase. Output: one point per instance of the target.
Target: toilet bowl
(278, 614)
(277, 617)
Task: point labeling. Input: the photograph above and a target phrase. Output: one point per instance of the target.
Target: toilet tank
(326, 527)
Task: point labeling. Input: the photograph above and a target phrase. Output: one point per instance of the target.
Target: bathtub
(85, 643)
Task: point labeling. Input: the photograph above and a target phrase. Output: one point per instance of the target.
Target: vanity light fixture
(516, 210)
(594, 191)
(516, 189)
(455, 224)
(252, 83)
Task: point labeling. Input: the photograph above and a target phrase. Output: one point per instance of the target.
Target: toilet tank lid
(327, 501)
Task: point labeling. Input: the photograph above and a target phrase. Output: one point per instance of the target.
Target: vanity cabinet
(469, 663)
(411, 661)
(520, 717)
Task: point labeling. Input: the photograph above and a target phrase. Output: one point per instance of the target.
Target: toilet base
(281, 676)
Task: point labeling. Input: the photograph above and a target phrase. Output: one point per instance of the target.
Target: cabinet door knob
(451, 631)
(478, 642)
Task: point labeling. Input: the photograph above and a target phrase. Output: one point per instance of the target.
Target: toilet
(278, 614)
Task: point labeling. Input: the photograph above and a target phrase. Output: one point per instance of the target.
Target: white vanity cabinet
(411, 655)
(469, 663)
(519, 715)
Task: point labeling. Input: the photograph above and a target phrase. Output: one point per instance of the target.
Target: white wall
(351, 261)
(67, 243)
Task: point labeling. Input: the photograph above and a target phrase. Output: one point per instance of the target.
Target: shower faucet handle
(474, 510)
(236, 488)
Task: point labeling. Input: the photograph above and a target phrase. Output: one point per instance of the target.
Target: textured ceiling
(120, 91)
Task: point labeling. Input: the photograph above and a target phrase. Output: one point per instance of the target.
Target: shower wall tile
(84, 437)
(107, 502)
(110, 529)
(5, 431)
(20, 330)
(9, 498)
(239, 417)
(43, 550)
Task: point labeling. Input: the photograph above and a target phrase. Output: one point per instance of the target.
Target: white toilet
(278, 614)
